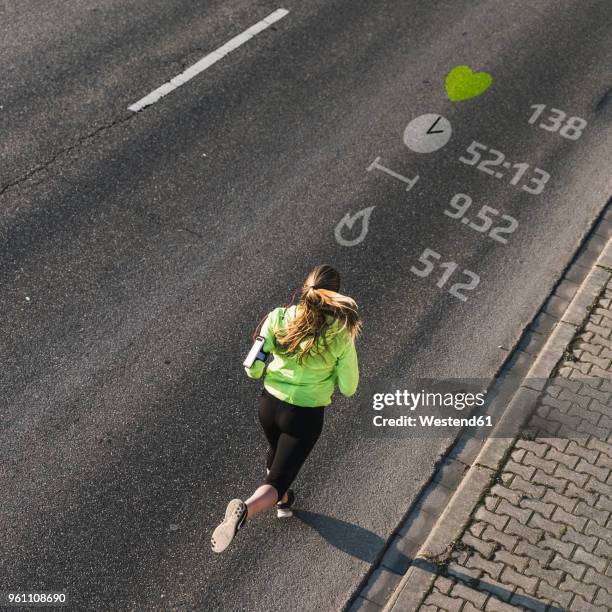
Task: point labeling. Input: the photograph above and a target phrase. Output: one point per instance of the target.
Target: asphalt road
(138, 251)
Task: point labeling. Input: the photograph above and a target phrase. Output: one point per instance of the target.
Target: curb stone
(418, 580)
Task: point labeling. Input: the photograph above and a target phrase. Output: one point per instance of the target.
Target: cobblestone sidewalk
(542, 537)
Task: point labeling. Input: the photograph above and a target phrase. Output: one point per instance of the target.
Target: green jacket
(311, 383)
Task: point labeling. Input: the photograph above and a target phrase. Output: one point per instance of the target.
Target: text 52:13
(535, 184)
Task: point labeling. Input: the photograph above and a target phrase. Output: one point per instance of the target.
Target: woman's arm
(267, 331)
(347, 370)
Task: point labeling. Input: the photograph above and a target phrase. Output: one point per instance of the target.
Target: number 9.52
(487, 220)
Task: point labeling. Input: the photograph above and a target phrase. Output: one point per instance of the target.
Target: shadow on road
(347, 537)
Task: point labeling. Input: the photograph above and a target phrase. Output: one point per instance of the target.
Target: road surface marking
(376, 164)
(427, 133)
(208, 60)
(349, 221)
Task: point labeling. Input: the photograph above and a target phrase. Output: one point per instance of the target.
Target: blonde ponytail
(319, 297)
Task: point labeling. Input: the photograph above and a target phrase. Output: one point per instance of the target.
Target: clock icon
(427, 133)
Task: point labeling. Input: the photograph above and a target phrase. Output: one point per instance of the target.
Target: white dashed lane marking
(208, 60)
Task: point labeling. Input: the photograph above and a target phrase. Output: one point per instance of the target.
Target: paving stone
(452, 604)
(574, 398)
(519, 514)
(580, 605)
(559, 444)
(596, 394)
(542, 508)
(573, 386)
(523, 471)
(538, 447)
(542, 555)
(498, 521)
(510, 576)
(563, 405)
(518, 454)
(527, 533)
(506, 540)
(539, 522)
(580, 539)
(599, 516)
(569, 461)
(604, 503)
(517, 562)
(594, 577)
(463, 573)
(471, 595)
(580, 494)
(566, 503)
(491, 568)
(582, 556)
(600, 473)
(541, 478)
(574, 586)
(526, 601)
(604, 461)
(563, 548)
(604, 549)
(576, 570)
(552, 576)
(603, 533)
(477, 528)
(538, 462)
(485, 548)
(603, 599)
(561, 598)
(490, 502)
(444, 584)
(562, 517)
(495, 605)
(514, 497)
(533, 490)
(496, 588)
(599, 445)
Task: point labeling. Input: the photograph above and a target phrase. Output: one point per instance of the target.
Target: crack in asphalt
(80, 140)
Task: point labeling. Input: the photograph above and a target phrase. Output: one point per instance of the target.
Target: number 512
(450, 267)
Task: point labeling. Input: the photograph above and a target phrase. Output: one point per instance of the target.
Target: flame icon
(349, 221)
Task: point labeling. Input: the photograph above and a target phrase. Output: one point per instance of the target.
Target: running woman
(313, 344)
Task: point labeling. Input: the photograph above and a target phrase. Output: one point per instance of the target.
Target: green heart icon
(463, 84)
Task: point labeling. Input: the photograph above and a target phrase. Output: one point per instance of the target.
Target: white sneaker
(283, 510)
(235, 516)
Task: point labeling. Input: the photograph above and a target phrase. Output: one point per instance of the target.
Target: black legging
(292, 432)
